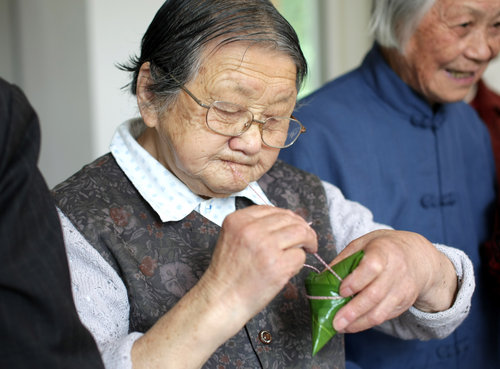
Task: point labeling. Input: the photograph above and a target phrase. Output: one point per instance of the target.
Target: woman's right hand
(259, 249)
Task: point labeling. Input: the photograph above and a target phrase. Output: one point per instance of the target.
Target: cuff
(117, 354)
(446, 321)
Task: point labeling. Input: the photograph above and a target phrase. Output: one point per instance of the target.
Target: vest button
(265, 337)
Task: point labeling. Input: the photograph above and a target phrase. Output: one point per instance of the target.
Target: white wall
(492, 75)
(51, 66)
(344, 35)
(114, 29)
(6, 40)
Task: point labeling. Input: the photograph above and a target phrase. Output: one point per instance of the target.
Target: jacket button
(429, 201)
(265, 337)
(449, 199)
(445, 352)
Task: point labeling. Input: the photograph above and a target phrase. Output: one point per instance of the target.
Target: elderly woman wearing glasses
(187, 242)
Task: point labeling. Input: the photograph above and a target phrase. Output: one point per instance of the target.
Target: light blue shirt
(166, 194)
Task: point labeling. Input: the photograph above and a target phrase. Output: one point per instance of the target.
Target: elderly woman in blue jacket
(395, 135)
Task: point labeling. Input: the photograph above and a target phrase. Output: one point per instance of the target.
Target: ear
(145, 98)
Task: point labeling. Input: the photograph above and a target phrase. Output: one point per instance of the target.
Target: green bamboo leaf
(325, 284)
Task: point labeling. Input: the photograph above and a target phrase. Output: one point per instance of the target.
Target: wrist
(441, 290)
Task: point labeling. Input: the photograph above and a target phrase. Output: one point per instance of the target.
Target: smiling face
(450, 49)
(261, 79)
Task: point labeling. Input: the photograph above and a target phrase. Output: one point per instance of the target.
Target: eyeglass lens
(232, 120)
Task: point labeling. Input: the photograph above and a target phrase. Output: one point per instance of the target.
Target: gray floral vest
(159, 262)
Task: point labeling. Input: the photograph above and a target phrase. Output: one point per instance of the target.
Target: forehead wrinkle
(245, 66)
(469, 9)
(255, 86)
(258, 72)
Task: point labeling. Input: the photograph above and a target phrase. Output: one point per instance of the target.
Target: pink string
(313, 268)
(324, 297)
(248, 184)
(327, 266)
(267, 202)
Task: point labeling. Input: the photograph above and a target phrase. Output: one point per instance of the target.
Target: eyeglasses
(233, 120)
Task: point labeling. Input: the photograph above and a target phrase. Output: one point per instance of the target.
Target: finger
(262, 210)
(267, 217)
(390, 307)
(296, 236)
(369, 269)
(283, 229)
(292, 261)
(360, 305)
(264, 237)
(384, 299)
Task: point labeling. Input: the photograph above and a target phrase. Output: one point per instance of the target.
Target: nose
(249, 142)
(481, 46)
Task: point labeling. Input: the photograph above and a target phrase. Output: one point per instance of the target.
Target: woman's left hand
(399, 269)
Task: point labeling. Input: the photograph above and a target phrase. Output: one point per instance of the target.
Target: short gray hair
(393, 21)
(181, 29)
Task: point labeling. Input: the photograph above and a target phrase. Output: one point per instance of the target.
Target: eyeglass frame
(247, 127)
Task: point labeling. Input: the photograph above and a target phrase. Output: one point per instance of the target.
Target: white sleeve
(100, 297)
(351, 220)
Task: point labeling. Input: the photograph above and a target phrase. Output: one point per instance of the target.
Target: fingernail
(346, 292)
(340, 324)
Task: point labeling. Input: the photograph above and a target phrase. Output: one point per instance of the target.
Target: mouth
(235, 162)
(460, 74)
(231, 164)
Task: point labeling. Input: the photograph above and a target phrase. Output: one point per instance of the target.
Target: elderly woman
(187, 242)
(396, 137)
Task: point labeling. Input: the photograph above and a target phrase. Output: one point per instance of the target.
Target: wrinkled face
(261, 79)
(451, 48)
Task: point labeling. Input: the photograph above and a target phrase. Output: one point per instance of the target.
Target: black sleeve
(39, 326)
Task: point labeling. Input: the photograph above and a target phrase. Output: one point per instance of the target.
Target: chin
(451, 96)
(224, 191)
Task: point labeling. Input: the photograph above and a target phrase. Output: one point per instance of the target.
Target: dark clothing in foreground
(487, 104)
(39, 326)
